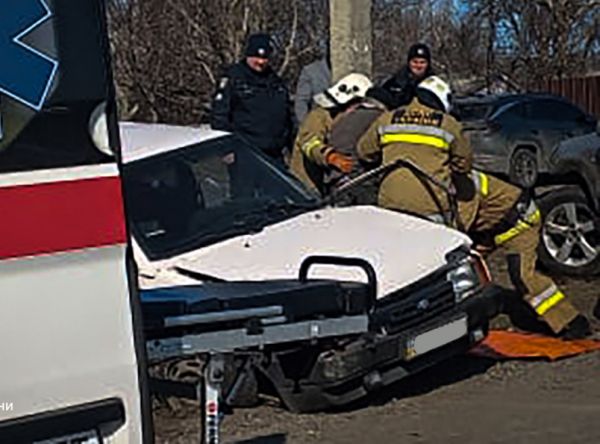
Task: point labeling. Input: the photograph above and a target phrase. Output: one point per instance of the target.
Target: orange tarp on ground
(501, 344)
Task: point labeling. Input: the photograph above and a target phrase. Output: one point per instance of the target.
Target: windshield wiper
(292, 206)
(277, 208)
(205, 238)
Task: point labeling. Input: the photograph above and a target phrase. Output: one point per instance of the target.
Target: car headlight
(468, 275)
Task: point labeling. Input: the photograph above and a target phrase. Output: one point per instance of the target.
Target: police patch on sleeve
(223, 82)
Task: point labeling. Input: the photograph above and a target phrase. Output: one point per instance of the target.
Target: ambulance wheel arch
(67, 291)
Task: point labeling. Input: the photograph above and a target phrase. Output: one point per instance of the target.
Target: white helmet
(346, 89)
(439, 88)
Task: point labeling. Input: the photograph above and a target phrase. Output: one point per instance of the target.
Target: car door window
(552, 111)
(509, 115)
(473, 112)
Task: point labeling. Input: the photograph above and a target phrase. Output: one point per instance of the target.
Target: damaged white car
(206, 209)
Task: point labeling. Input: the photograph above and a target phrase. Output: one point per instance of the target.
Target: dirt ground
(464, 400)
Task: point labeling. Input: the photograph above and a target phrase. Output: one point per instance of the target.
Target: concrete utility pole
(350, 37)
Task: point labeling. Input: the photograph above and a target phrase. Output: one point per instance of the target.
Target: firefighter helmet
(348, 88)
(440, 89)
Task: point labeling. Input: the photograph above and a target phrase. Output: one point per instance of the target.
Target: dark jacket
(401, 88)
(254, 105)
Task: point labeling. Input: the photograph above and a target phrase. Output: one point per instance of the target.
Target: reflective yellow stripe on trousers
(547, 299)
(418, 139)
(520, 227)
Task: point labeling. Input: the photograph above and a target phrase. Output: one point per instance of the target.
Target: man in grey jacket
(314, 79)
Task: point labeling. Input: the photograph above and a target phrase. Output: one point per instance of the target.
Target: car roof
(141, 140)
(497, 99)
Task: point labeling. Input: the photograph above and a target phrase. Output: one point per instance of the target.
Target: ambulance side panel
(70, 352)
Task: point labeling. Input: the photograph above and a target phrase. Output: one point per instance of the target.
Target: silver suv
(571, 231)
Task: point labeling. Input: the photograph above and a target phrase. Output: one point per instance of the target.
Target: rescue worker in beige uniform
(324, 152)
(494, 213)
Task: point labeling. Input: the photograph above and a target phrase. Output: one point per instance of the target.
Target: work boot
(578, 328)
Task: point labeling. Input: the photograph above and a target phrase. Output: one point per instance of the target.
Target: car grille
(417, 304)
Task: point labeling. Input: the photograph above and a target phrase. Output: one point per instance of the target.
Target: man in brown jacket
(325, 147)
(494, 213)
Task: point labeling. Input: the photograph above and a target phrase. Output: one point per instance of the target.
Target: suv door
(551, 121)
(492, 146)
(70, 350)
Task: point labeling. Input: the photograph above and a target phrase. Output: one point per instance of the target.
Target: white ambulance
(71, 355)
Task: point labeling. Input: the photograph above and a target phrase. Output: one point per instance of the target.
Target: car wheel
(570, 235)
(523, 168)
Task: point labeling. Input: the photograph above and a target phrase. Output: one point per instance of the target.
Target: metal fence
(583, 91)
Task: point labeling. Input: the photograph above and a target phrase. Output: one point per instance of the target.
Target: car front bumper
(346, 374)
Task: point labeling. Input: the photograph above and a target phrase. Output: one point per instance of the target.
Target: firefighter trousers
(500, 215)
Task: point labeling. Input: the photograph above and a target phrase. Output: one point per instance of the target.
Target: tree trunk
(350, 37)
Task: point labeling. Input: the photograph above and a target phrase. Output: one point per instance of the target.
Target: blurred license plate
(435, 338)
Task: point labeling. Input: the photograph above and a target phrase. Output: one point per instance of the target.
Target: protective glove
(340, 161)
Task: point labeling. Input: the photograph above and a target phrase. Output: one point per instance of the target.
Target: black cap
(259, 45)
(420, 50)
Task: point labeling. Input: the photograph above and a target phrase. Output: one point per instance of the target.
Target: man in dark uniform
(400, 88)
(253, 101)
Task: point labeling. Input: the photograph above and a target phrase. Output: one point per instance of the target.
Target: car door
(549, 122)
(71, 351)
(492, 145)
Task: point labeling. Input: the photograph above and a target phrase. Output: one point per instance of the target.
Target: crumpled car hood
(401, 248)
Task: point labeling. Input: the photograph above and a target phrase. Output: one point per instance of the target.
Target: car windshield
(205, 193)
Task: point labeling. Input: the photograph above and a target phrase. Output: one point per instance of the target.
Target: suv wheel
(523, 168)
(570, 235)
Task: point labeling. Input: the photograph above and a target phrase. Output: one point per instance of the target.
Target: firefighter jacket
(310, 149)
(325, 130)
(254, 105)
(430, 139)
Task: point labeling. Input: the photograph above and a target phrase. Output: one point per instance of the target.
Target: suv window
(552, 110)
(474, 111)
(509, 112)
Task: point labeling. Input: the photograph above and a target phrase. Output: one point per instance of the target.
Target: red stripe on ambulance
(61, 216)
